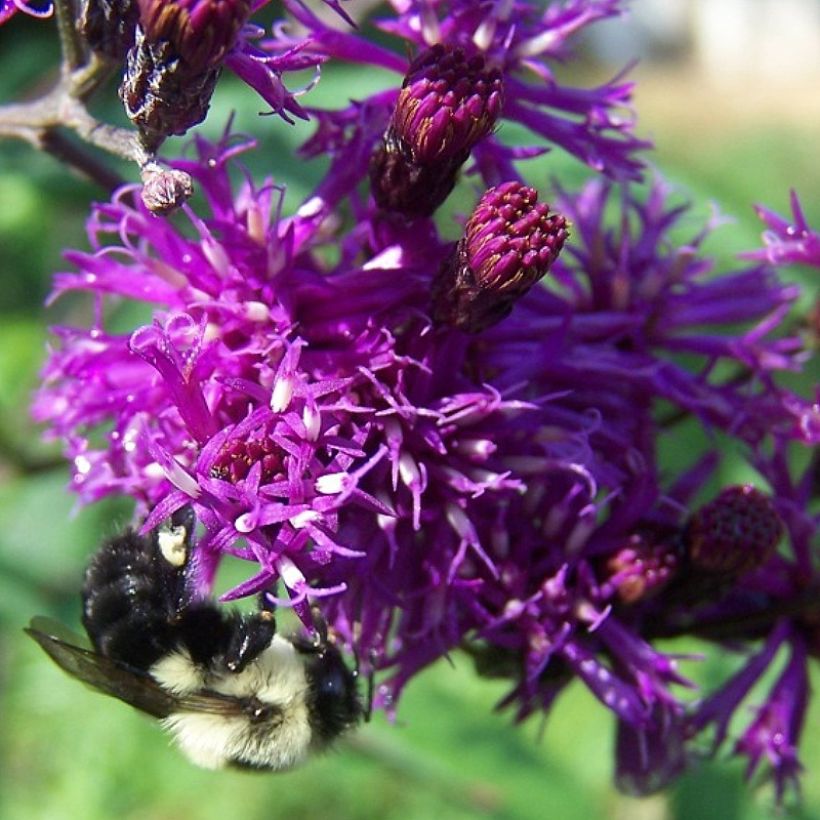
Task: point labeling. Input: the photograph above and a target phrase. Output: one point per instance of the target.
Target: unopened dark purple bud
(200, 31)
(401, 185)
(448, 102)
(108, 26)
(640, 569)
(164, 190)
(509, 243)
(736, 532)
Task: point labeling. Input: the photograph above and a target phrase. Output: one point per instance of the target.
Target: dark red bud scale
(108, 26)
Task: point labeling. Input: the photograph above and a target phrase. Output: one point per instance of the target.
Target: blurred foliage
(68, 753)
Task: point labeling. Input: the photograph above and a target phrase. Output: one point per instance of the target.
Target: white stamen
(282, 394)
(304, 518)
(289, 573)
(513, 608)
(459, 521)
(331, 483)
(245, 522)
(256, 312)
(483, 37)
(312, 419)
(408, 470)
(311, 208)
(388, 259)
(256, 224)
(82, 465)
(429, 26)
(216, 255)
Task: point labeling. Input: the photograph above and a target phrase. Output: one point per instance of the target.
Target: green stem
(75, 54)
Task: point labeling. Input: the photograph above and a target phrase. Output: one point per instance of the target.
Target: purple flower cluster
(355, 407)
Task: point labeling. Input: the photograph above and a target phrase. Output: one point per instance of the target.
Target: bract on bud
(509, 243)
(108, 26)
(175, 62)
(447, 104)
(403, 186)
(736, 532)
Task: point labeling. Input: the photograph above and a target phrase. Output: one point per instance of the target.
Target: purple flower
(427, 485)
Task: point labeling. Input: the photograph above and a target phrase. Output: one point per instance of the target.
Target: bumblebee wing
(134, 687)
(110, 677)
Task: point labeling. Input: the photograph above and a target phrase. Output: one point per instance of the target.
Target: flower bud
(447, 104)
(509, 243)
(200, 31)
(735, 533)
(108, 26)
(175, 62)
(641, 569)
(164, 190)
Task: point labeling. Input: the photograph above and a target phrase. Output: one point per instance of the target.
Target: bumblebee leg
(319, 626)
(250, 637)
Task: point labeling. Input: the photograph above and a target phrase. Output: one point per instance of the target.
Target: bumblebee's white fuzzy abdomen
(214, 741)
(210, 739)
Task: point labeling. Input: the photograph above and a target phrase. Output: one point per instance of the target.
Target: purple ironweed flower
(8, 8)
(433, 489)
(509, 243)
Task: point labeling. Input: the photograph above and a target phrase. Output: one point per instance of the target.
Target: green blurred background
(68, 753)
